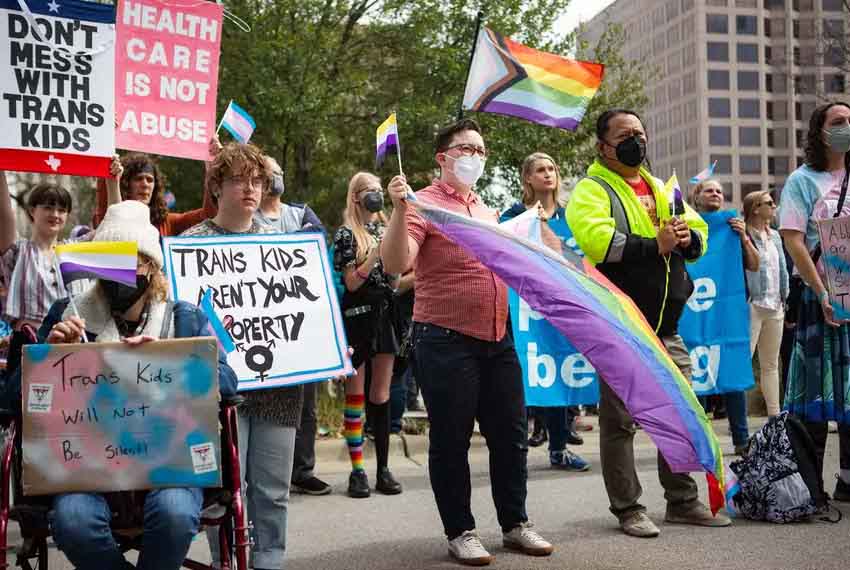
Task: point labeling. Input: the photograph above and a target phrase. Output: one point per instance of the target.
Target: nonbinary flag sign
(166, 89)
(238, 122)
(57, 87)
(109, 260)
(386, 139)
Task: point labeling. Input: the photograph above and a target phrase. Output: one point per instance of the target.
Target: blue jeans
(266, 452)
(80, 523)
(736, 411)
(464, 379)
(559, 420)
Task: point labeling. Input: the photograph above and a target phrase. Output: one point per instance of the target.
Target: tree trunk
(303, 163)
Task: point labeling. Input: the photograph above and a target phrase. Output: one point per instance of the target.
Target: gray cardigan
(757, 280)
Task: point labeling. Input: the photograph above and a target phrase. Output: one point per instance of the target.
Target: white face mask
(468, 169)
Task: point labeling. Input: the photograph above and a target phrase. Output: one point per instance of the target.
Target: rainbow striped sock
(353, 429)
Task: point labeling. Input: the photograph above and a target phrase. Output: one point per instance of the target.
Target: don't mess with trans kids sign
(714, 326)
(275, 295)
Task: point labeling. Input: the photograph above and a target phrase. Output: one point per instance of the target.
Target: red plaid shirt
(454, 290)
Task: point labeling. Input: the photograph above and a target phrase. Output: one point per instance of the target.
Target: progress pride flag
(167, 76)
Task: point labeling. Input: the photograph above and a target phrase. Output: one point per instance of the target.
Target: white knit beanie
(130, 220)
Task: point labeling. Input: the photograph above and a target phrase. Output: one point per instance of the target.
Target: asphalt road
(403, 532)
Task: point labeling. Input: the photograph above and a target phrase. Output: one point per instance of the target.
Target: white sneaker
(527, 541)
(467, 549)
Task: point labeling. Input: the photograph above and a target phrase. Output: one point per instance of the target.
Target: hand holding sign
(69, 331)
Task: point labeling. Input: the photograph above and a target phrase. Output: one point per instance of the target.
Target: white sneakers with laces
(527, 541)
(467, 549)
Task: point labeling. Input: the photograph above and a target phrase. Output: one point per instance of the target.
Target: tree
(319, 76)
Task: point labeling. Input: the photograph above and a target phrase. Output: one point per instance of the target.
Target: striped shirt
(453, 289)
(33, 286)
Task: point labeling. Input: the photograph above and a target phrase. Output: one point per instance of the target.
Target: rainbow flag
(508, 78)
(605, 325)
(387, 140)
(108, 260)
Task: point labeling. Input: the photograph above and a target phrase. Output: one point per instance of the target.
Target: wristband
(823, 297)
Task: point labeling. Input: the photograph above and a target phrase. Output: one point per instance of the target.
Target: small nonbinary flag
(238, 122)
(704, 175)
(107, 260)
(387, 140)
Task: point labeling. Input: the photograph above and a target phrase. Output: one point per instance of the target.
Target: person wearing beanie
(28, 266)
(236, 180)
(112, 312)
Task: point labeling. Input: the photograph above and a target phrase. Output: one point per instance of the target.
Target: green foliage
(318, 76)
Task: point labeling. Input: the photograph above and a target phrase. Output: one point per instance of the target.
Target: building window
(805, 5)
(672, 10)
(748, 53)
(834, 83)
(804, 84)
(777, 110)
(674, 90)
(720, 136)
(799, 138)
(774, 4)
(673, 36)
(724, 163)
(774, 27)
(776, 83)
(691, 110)
(833, 29)
(746, 4)
(804, 29)
(717, 51)
(749, 163)
(746, 25)
(749, 136)
(674, 63)
(718, 79)
(658, 44)
(658, 17)
(834, 56)
(777, 165)
(832, 5)
(689, 83)
(777, 138)
(748, 80)
(687, 5)
(689, 55)
(718, 3)
(691, 136)
(676, 143)
(717, 23)
(751, 187)
(719, 108)
(749, 109)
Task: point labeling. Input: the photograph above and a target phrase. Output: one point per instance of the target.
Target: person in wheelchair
(111, 312)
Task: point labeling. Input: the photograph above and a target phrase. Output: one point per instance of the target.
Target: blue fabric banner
(716, 322)
(715, 327)
(555, 374)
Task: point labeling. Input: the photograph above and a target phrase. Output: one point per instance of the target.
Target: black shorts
(369, 326)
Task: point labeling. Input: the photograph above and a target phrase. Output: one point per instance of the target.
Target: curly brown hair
(817, 153)
(135, 163)
(247, 156)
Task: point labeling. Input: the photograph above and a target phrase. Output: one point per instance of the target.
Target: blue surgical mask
(838, 138)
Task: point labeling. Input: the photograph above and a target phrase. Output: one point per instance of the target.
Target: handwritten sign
(107, 417)
(278, 291)
(168, 76)
(835, 245)
(56, 86)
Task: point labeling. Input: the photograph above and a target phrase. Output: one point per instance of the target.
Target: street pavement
(570, 509)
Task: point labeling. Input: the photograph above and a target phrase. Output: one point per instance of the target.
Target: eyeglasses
(258, 182)
(768, 203)
(469, 149)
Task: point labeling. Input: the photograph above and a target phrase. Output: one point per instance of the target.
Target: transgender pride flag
(238, 122)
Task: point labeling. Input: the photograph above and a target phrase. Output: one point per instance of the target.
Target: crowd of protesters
(396, 274)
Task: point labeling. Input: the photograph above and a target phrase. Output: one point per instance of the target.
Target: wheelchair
(127, 522)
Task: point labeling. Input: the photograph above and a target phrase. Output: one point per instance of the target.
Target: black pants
(464, 379)
(305, 437)
(820, 432)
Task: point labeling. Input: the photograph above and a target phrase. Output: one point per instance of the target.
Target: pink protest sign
(166, 76)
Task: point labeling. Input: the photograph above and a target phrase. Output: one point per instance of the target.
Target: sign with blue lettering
(715, 324)
(555, 373)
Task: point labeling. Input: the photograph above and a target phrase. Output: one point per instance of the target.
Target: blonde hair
(350, 218)
(751, 203)
(527, 165)
(695, 193)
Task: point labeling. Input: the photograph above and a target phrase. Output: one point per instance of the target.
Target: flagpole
(478, 20)
(398, 145)
(58, 270)
(222, 117)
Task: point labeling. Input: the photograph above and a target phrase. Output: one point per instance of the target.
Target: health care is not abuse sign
(275, 294)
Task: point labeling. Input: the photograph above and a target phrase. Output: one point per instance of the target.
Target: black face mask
(631, 151)
(121, 297)
(373, 201)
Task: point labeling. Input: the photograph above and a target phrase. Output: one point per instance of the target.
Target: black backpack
(779, 480)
